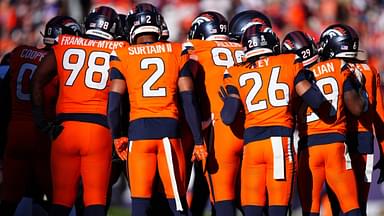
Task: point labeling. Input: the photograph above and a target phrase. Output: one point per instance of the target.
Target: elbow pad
(192, 116)
(114, 101)
(230, 109)
(313, 97)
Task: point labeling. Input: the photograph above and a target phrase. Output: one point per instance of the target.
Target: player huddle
(227, 99)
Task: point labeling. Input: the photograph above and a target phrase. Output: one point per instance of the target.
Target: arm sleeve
(190, 108)
(230, 109)
(232, 105)
(114, 120)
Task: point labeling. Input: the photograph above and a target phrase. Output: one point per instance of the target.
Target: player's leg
(223, 169)
(280, 168)
(65, 168)
(96, 159)
(171, 167)
(310, 178)
(18, 164)
(14, 184)
(142, 164)
(362, 165)
(338, 172)
(253, 179)
(42, 175)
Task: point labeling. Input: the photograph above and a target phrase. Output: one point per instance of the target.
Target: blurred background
(21, 22)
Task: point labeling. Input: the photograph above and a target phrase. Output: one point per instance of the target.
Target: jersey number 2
(148, 90)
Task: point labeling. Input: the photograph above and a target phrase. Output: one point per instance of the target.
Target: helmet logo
(200, 20)
(335, 32)
(73, 26)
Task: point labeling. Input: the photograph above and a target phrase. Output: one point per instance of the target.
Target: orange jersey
(23, 63)
(330, 78)
(151, 72)
(83, 71)
(266, 90)
(214, 57)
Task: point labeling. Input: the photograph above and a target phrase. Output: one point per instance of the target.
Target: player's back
(267, 89)
(83, 70)
(151, 72)
(214, 57)
(23, 63)
(330, 76)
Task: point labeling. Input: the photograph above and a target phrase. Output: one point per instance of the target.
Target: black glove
(380, 165)
(54, 130)
(222, 93)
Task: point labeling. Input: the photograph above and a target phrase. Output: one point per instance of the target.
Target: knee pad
(59, 210)
(278, 210)
(225, 208)
(353, 212)
(140, 206)
(253, 210)
(94, 210)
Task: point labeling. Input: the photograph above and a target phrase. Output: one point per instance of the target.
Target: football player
(360, 130)
(323, 155)
(153, 72)
(27, 152)
(209, 46)
(81, 142)
(266, 85)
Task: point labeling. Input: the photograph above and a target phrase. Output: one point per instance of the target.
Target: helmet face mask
(209, 25)
(301, 44)
(339, 41)
(259, 40)
(102, 22)
(60, 25)
(241, 21)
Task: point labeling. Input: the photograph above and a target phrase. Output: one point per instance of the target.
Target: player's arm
(116, 91)
(232, 104)
(354, 99)
(231, 97)
(378, 122)
(190, 107)
(44, 73)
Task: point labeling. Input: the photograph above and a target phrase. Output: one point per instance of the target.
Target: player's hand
(380, 165)
(223, 93)
(199, 153)
(53, 130)
(121, 147)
